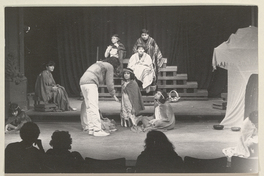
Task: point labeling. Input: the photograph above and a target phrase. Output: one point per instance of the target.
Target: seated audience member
(61, 144)
(48, 91)
(163, 117)
(15, 118)
(159, 155)
(248, 141)
(27, 156)
(142, 66)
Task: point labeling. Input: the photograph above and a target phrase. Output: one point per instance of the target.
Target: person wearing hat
(142, 66)
(116, 50)
(151, 48)
(131, 102)
(97, 73)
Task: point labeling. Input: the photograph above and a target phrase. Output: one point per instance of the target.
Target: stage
(193, 135)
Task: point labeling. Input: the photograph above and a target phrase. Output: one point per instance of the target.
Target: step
(177, 77)
(187, 85)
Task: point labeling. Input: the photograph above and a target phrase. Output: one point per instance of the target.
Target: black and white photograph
(161, 88)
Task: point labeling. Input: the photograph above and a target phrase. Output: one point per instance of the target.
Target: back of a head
(29, 132)
(61, 140)
(157, 140)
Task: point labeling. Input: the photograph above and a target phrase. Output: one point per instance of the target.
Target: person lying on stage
(15, 118)
(151, 48)
(116, 50)
(163, 117)
(142, 66)
(48, 91)
(159, 155)
(247, 146)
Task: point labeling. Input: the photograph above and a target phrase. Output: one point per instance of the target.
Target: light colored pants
(91, 118)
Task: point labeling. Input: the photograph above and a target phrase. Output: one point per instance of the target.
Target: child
(163, 118)
(16, 118)
(131, 103)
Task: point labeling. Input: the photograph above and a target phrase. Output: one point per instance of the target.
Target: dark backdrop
(186, 36)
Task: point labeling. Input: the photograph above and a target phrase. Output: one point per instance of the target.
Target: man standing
(98, 73)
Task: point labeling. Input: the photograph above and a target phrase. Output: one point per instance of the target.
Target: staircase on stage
(168, 80)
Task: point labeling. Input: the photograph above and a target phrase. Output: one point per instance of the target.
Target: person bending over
(96, 74)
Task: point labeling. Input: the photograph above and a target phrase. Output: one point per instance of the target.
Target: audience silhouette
(61, 144)
(27, 156)
(159, 155)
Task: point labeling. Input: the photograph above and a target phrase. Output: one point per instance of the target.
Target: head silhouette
(158, 141)
(29, 132)
(61, 140)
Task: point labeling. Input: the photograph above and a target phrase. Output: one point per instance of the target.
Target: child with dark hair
(163, 117)
(15, 118)
(61, 144)
(131, 103)
(116, 50)
(159, 155)
(48, 91)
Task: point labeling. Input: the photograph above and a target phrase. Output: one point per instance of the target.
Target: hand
(54, 88)
(116, 99)
(152, 121)
(109, 47)
(133, 111)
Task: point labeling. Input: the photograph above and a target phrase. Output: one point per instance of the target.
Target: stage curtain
(185, 35)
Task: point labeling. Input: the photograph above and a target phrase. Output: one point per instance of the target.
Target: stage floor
(183, 109)
(193, 135)
(190, 138)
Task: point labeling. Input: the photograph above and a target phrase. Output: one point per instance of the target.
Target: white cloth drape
(239, 55)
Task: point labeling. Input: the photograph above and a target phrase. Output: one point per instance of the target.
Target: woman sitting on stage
(116, 50)
(48, 91)
(163, 118)
(142, 66)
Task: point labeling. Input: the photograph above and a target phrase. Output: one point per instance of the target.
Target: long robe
(152, 49)
(142, 68)
(44, 91)
(131, 99)
(164, 118)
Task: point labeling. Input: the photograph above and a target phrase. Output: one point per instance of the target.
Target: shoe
(91, 132)
(100, 133)
(112, 130)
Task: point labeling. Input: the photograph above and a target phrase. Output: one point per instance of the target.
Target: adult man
(98, 73)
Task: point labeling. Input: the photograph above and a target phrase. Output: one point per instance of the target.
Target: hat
(141, 45)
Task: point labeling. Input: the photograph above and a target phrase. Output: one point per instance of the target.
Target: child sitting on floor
(15, 118)
(131, 102)
(163, 117)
